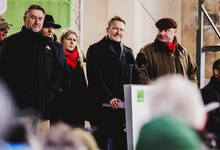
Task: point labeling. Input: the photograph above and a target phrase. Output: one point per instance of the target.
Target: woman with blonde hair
(76, 97)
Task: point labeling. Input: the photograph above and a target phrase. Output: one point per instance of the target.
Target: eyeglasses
(8, 27)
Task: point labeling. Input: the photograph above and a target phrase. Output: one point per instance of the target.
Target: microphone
(130, 61)
(142, 61)
(129, 58)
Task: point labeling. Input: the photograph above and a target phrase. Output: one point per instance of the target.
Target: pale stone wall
(140, 28)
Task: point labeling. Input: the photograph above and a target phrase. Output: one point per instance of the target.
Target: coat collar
(104, 45)
(35, 36)
(215, 82)
(164, 48)
(111, 47)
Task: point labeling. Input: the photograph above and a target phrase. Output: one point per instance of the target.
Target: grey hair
(177, 95)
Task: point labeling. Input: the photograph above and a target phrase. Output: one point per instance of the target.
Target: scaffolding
(79, 21)
(200, 50)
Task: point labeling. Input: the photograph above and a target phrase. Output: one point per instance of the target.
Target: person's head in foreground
(61, 137)
(177, 112)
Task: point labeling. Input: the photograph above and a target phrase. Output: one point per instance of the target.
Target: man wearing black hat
(48, 30)
(49, 26)
(166, 55)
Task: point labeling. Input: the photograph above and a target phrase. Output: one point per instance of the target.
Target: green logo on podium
(140, 95)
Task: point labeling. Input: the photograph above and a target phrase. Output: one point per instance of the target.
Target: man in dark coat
(48, 30)
(211, 93)
(107, 72)
(32, 69)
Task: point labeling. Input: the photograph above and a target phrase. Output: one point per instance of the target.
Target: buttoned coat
(107, 73)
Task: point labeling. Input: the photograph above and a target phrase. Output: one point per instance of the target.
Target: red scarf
(172, 47)
(71, 58)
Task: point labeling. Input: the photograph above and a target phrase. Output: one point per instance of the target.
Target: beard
(34, 29)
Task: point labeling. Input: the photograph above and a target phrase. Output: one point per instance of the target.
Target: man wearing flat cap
(48, 30)
(4, 27)
(166, 56)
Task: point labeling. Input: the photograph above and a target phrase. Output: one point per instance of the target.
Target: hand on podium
(115, 103)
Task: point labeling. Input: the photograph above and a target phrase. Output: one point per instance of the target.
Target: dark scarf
(71, 58)
(172, 47)
(116, 46)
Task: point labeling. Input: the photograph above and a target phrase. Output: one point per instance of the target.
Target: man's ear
(24, 19)
(215, 71)
(175, 31)
(107, 29)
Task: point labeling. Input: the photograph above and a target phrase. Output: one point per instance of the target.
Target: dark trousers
(104, 130)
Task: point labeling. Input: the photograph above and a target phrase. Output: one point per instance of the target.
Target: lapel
(111, 52)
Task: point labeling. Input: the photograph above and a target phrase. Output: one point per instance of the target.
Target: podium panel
(137, 111)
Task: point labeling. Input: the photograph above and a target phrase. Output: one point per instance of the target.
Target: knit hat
(48, 20)
(3, 23)
(169, 133)
(166, 23)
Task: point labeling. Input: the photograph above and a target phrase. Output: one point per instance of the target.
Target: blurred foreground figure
(61, 137)
(177, 114)
(169, 133)
(18, 138)
(86, 138)
(6, 112)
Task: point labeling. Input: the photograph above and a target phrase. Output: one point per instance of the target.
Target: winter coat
(161, 62)
(1, 47)
(77, 97)
(211, 93)
(32, 70)
(70, 105)
(107, 74)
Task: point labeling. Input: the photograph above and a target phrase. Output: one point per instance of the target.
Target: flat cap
(166, 23)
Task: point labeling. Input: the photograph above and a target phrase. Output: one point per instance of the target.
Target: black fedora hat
(48, 20)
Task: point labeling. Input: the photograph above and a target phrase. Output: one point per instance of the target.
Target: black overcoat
(32, 70)
(211, 93)
(107, 73)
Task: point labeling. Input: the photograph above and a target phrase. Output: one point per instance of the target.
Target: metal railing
(200, 50)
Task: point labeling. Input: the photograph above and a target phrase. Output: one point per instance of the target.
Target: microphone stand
(130, 65)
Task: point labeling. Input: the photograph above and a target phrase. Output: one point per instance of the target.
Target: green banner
(62, 11)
